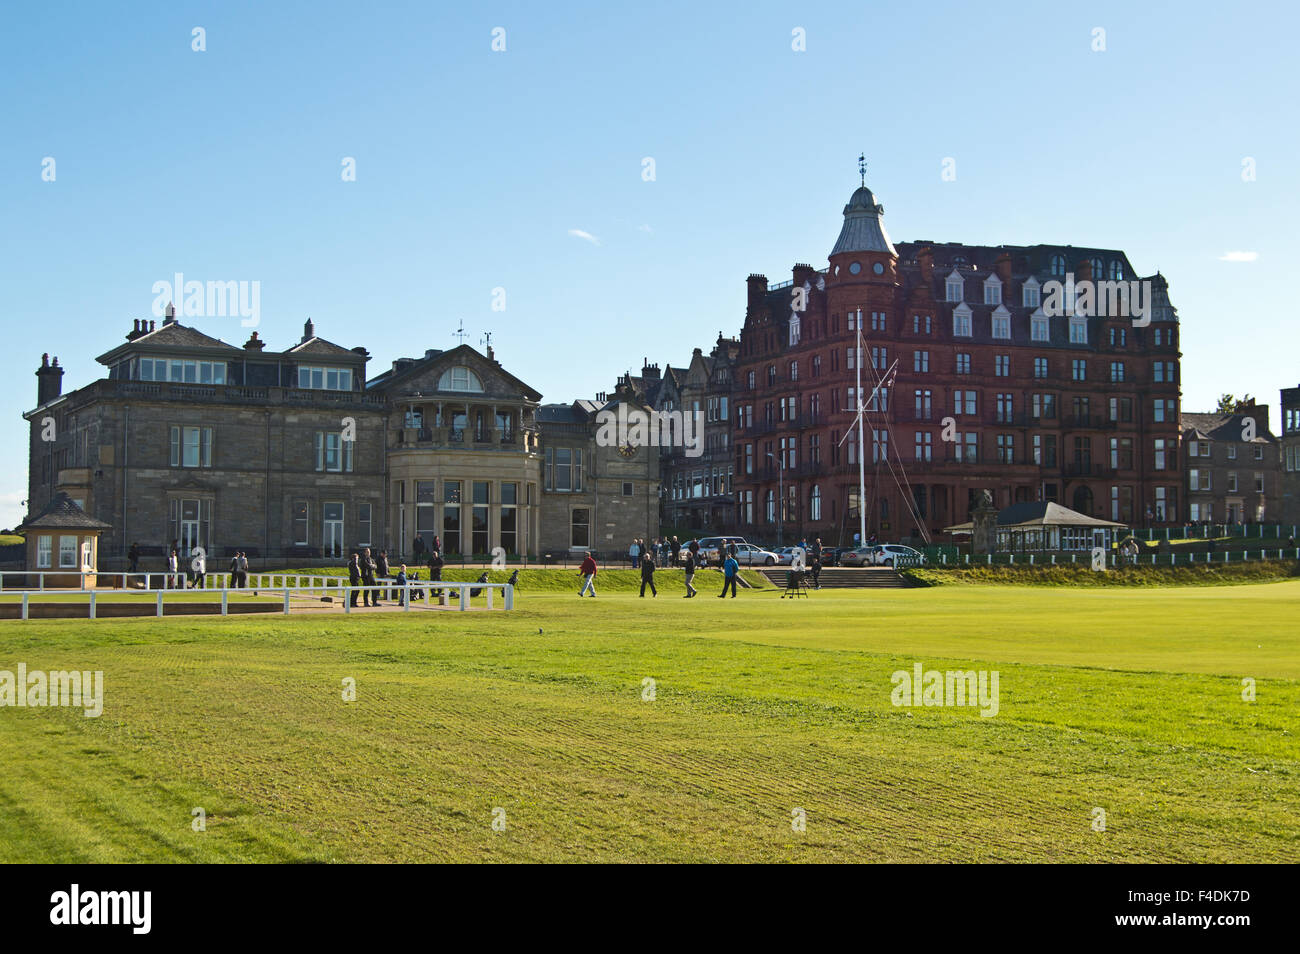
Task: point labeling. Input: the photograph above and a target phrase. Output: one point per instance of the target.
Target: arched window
(1098, 270)
(459, 379)
(815, 503)
(1057, 265)
(1116, 271)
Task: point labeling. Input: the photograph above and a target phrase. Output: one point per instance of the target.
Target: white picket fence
(1114, 559)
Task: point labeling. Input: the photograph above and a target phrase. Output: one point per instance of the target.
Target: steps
(832, 578)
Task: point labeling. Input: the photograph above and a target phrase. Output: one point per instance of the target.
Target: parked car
(887, 554)
(749, 555)
(709, 547)
(857, 556)
(784, 556)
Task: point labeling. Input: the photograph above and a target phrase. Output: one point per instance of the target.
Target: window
(1045, 450)
(1002, 365)
(1161, 445)
(961, 326)
(1116, 271)
(1044, 406)
(44, 548)
(299, 515)
(460, 379)
(1118, 337)
(920, 324)
(922, 408)
(190, 523)
(67, 551)
(363, 524)
(749, 458)
(1121, 409)
(1121, 453)
(1259, 452)
(815, 503)
(1079, 369)
(479, 529)
(920, 361)
(794, 372)
(1057, 265)
(1078, 330)
(953, 287)
(964, 402)
(1040, 367)
(992, 290)
(1259, 482)
(1029, 294)
(332, 529)
(1039, 328)
(1232, 451)
(816, 366)
(333, 453)
(966, 448)
(580, 528)
(877, 321)
(1162, 372)
(1232, 481)
(849, 354)
(1006, 449)
(1004, 408)
(769, 506)
(182, 371)
(879, 445)
(1001, 325)
(879, 358)
(324, 379)
(1165, 411)
(191, 446)
(924, 446)
(963, 364)
(564, 469)
(1116, 372)
(451, 522)
(510, 515)
(814, 449)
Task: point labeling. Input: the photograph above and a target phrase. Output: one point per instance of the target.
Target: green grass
(1127, 699)
(1075, 575)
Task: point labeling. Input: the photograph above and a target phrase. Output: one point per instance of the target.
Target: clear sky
(523, 169)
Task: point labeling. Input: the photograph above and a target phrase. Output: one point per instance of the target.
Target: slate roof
(62, 513)
(1226, 427)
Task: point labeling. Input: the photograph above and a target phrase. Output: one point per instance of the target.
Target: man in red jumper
(588, 571)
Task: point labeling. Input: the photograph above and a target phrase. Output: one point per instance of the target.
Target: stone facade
(1289, 453)
(1232, 477)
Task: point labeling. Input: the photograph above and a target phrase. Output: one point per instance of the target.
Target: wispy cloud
(585, 236)
(1238, 256)
(644, 228)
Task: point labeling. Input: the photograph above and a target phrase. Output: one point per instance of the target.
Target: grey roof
(62, 513)
(1226, 427)
(320, 346)
(863, 230)
(1039, 513)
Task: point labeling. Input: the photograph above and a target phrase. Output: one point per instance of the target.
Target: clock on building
(627, 450)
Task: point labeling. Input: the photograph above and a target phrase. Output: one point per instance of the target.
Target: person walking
(400, 581)
(354, 577)
(729, 570)
(200, 567)
(234, 571)
(634, 553)
(677, 548)
(817, 563)
(243, 569)
(418, 549)
(588, 572)
(133, 556)
(435, 566)
(369, 597)
(690, 572)
(648, 576)
(173, 568)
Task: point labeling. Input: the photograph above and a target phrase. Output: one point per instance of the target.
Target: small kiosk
(63, 543)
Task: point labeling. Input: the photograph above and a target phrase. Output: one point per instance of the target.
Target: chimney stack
(925, 258)
(1003, 268)
(803, 273)
(757, 292)
(254, 343)
(169, 316)
(308, 331)
(49, 380)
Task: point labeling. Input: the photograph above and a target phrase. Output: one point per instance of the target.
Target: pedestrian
(243, 569)
(199, 565)
(369, 597)
(690, 572)
(437, 543)
(418, 549)
(234, 571)
(731, 551)
(173, 568)
(133, 556)
(382, 571)
(677, 548)
(435, 566)
(634, 553)
(354, 577)
(729, 570)
(817, 563)
(648, 576)
(588, 572)
(400, 581)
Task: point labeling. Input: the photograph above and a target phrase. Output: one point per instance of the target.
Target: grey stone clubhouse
(296, 456)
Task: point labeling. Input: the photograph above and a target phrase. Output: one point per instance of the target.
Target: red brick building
(991, 391)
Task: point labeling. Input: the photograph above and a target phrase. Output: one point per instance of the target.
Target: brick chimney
(648, 370)
(925, 258)
(1083, 270)
(49, 380)
(757, 292)
(139, 330)
(804, 273)
(254, 343)
(1003, 268)
(308, 331)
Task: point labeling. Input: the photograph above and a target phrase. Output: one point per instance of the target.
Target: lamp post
(780, 495)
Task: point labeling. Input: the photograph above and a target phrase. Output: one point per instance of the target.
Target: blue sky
(474, 168)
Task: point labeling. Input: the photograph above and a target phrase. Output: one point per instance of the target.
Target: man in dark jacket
(371, 597)
(418, 549)
(435, 566)
(133, 555)
(382, 571)
(648, 576)
(690, 570)
(354, 577)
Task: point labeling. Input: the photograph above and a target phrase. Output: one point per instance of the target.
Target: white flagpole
(862, 447)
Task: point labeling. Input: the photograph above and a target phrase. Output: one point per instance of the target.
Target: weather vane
(862, 167)
(486, 340)
(460, 332)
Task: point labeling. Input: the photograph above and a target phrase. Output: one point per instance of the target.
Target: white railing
(347, 592)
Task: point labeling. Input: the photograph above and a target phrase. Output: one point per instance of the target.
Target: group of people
(646, 562)
(662, 550)
(363, 570)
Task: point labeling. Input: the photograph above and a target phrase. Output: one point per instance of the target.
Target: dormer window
(182, 371)
(324, 379)
(1098, 270)
(992, 290)
(1116, 270)
(1029, 293)
(1001, 322)
(961, 321)
(1040, 328)
(1057, 265)
(955, 286)
(460, 379)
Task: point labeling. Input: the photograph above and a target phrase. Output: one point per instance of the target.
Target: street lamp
(780, 495)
